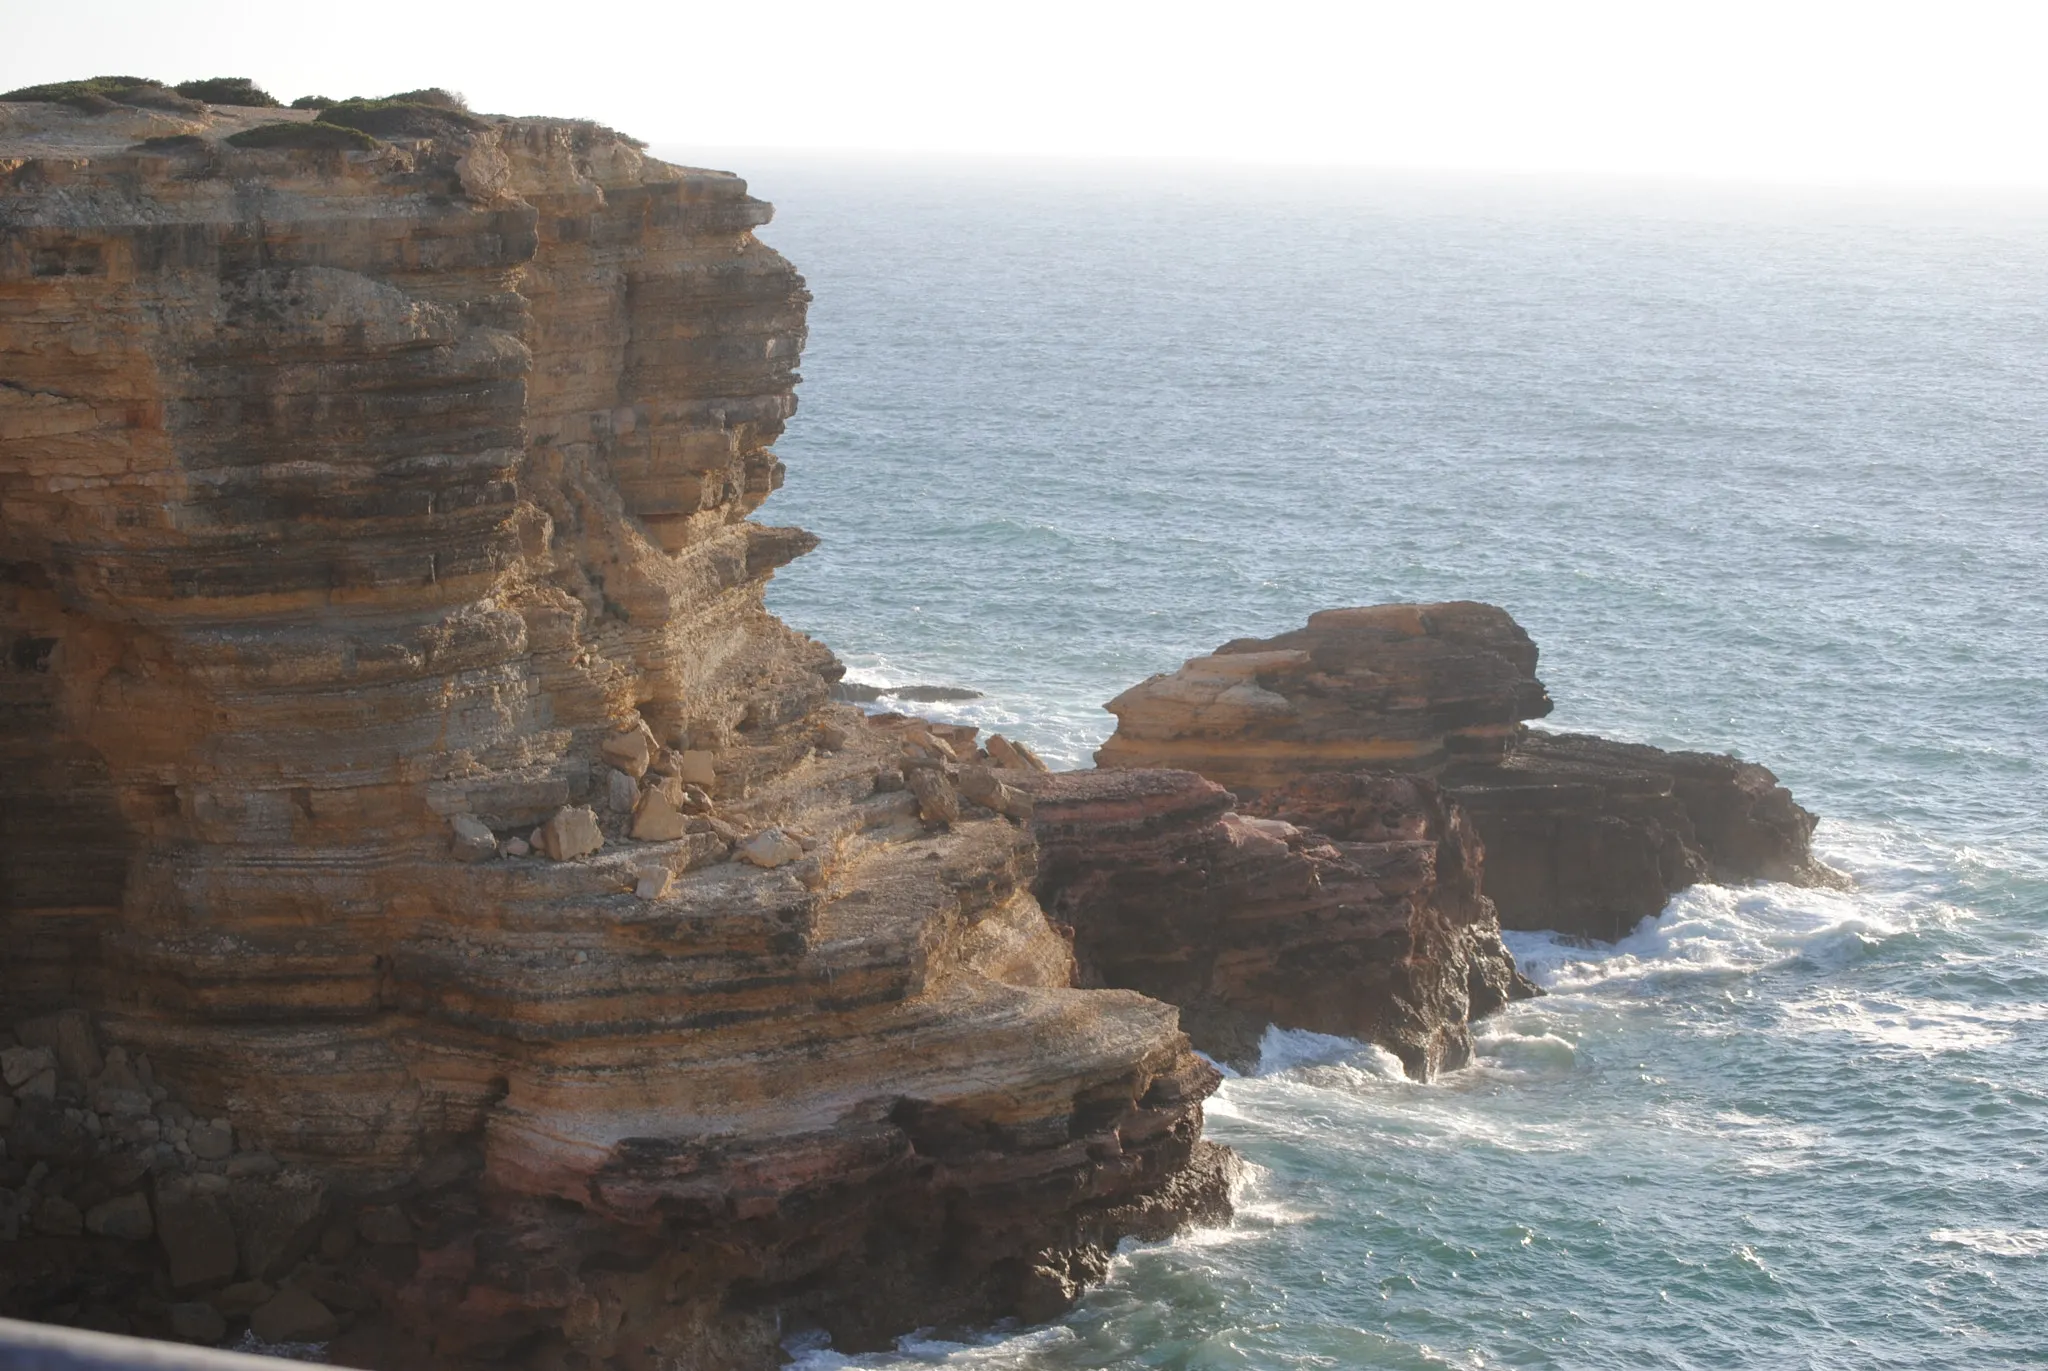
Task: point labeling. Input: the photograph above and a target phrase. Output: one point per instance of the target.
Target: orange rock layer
(375, 536)
(1580, 834)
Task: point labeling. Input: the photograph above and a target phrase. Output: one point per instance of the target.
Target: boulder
(192, 1321)
(118, 1090)
(57, 1217)
(19, 1065)
(632, 751)
(277, 1217)
(385, 1225)
(937, 801)
(197, 1235)
(657, 818)
(212, 1141)
(698, 768)
(982, 786)
(293, 1315)
(1011, 755)
(771, 847)
(124, 1216)
(69, 1037)
(239, 1300)
(470, 840)
(571, 833)
(622, 792)
(653, 882)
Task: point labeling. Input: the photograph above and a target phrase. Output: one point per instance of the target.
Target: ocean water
(1763, 472)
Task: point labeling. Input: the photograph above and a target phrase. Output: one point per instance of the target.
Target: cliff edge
(467, 913)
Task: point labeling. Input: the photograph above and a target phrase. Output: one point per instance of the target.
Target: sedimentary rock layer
(400, 759)
(1580, 834)
(1245, 921)
(1390, 686)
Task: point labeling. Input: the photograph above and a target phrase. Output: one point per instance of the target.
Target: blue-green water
(1762, 474)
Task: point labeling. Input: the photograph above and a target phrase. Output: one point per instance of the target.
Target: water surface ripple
(1763, 474)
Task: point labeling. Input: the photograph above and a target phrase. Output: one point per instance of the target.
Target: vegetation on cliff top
(100, 93)
(319, 135)
(414, 114)
(228, 90)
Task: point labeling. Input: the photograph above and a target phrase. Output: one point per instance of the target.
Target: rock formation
(1245, 922)
(387, 688)
(1580, 834)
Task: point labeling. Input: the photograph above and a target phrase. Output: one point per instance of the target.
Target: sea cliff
(443, 908)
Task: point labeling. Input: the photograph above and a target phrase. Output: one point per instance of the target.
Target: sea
(1761, 470)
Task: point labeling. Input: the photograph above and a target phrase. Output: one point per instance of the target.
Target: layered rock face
(1245, 921)
(1580, 834)
(400, 762)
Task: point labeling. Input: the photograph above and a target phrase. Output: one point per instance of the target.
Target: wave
(1995, 1242)
(1723, 930)
(1915, 1023)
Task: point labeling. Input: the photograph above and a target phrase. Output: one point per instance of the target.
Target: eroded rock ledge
(1580, 834)
(400, 763)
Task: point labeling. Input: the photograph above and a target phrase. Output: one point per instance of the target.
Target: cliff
(472, 924)
(1244, 922)
(1579, 834)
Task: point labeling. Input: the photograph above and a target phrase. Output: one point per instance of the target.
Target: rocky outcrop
(1246, 921)
(387, 691)
(1407, 687)
(1592, 836)
(1580, 834)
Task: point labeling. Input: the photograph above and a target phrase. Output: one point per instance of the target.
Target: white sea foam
(1724, 930)
(1501, 1051)
(1286, 1049)
(1996, 1242)
(812, 1351)
(1913, 1023)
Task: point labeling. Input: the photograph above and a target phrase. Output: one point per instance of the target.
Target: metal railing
(46, 1347)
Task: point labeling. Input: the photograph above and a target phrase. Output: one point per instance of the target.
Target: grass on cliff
(317, 136)
(430, 113)
(227, 90)
(98, 94)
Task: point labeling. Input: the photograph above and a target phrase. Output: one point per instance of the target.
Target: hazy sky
(1794, 90)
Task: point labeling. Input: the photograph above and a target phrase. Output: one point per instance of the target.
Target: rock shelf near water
(1580, 834)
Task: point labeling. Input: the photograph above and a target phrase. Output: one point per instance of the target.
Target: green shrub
(316, 135)
(312, 102)
(432, 95)
(396, 117)
(173, 142)
(104, 86)
(227, 90)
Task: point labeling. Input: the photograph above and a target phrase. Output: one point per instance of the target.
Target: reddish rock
(1245, 921)
(1581, 834)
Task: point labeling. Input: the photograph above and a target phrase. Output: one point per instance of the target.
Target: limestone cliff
(1579, 833)
(403, 772)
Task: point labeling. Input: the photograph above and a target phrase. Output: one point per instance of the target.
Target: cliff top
(159, 128)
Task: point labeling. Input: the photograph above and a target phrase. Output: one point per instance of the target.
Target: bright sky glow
(1821, 91)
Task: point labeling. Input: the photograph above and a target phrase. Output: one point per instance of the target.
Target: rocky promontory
(444, 911)
(1580, 834)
